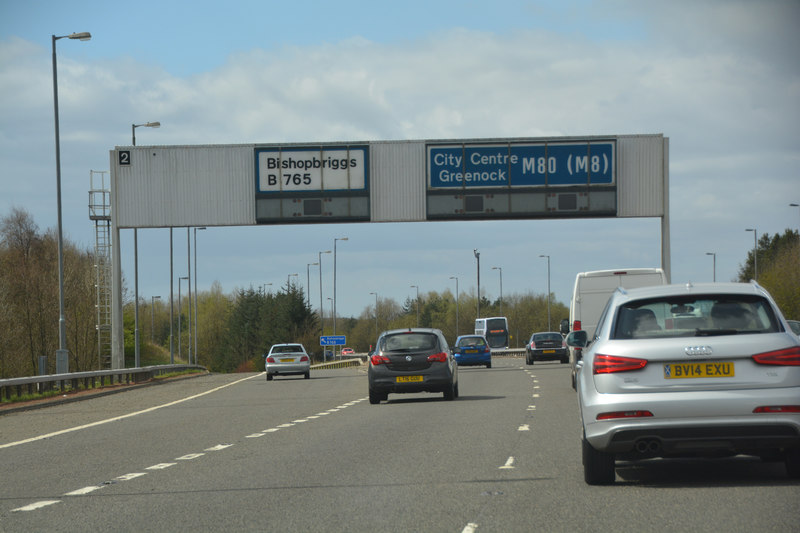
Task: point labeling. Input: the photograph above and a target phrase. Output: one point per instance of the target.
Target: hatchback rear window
(471, 341)
(408, 342)
(547, 337)
(691, 316)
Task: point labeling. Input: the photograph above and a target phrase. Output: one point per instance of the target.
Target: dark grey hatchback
(412, 360)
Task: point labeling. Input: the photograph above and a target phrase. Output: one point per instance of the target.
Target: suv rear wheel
(598, 467)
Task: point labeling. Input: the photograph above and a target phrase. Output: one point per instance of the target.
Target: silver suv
(412, 360)
(688, 370)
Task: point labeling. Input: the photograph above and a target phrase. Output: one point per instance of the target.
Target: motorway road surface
(237, 453)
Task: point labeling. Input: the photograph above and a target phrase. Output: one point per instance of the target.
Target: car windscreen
(690, 316)
(287, 348)
(409, 342)
(471, 341)
(539, 337)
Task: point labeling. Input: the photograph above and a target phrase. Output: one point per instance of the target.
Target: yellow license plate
(287, 360)
(408, 379)
(549, 351)
(719, 369)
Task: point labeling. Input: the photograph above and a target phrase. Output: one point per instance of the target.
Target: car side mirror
(577, 339)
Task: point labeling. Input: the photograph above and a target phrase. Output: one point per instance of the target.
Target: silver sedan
(704, 370)
(287, 359)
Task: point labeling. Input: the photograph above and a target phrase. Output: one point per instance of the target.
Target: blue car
(472, 350)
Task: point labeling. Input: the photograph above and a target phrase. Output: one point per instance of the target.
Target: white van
(591, 293)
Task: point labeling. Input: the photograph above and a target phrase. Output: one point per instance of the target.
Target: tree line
(234, 329)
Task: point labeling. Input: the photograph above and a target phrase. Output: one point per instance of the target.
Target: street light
(334, 283)
(415, 287)
(376, 313)
(548, 291)
(145, 125)
(478, 257)
(501, 288)
(288, 282)
(153, 318)
(195, 291)
(308, 283)
(755, 252)
(136, 259)
(179, 313)
(714, 255)
(321, 313)
(456, 278)
(62, 353)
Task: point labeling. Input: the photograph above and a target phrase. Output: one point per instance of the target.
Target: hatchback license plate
(408, 379)
(721, 369)
(287, 360)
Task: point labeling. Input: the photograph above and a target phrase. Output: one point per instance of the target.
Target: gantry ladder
(100, 212)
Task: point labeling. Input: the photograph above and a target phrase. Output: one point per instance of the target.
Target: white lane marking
(132, 475)
(332, 410)
(531, 408)
(272, 430)
(36, 505)
(122, 417)
(509, 464)
(312, 417)
(470, 528)
(524, 427)
(536, 395)
(323, 414)
(285, 425)
(84, 490)
(300, 421)
(254, 436)
(160, 466)
(218, 447)
(189, 456)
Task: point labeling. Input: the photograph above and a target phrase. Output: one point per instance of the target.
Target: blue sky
(720, 79)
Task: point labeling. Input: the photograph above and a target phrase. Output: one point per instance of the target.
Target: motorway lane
(313, 455)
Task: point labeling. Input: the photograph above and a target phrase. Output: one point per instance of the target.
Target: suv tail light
(624, 414)
(440, 357)
(607, 364)
(379, 360)
(777, 409)
(576, 326)
(785, 357)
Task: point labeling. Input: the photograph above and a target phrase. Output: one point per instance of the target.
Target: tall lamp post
(195, 291)
(415, 287)
(62, 354)
(478, 258)
(501, 288)
(321, 313)
(714, 265)
(308, 282)
(179, 313)
(136, 258)
(153, 318)
(334, 283)
(376, 313)
(548, 291)
(755, 252)
(288, 282)
(456, 278)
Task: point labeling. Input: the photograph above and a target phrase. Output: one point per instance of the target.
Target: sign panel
(318, 168)
(521, 164)
(332, 340)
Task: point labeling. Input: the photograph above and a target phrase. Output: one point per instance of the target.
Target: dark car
(472, 350)
(546, 346)
(412, 360)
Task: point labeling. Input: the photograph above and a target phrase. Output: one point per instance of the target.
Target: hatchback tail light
(440, 357)
(785, 357)
(379, 360)
(304, 359)
(270, 359)
(607, 364)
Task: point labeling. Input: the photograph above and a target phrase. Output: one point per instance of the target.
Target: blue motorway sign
(523, 164)
(332, 340)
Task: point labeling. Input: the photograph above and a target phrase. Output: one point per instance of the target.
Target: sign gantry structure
(385, 181)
